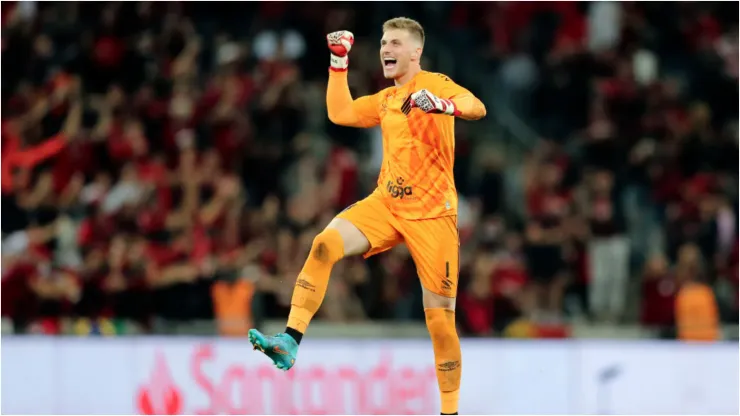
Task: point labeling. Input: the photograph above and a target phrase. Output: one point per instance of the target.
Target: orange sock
(447, 355)
(310, 287)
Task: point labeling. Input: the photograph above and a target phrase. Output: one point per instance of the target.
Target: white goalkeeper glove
(340, 43)
(428, 103)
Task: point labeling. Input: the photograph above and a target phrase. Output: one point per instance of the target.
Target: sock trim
(295, 334)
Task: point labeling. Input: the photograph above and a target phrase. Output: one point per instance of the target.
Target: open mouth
(389, 63)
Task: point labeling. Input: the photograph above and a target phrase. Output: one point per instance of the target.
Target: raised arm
(56, 144)
(343, 110)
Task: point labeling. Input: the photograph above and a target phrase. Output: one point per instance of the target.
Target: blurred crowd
(173, 161)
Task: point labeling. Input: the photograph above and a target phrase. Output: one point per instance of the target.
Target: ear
(416, 54)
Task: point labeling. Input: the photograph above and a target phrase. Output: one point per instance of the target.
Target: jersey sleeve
(467, 105)
(343, 110)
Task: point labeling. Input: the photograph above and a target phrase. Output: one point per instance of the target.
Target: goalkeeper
(415, 201)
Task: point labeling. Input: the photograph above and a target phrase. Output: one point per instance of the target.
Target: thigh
(373, 219)
(434, 245)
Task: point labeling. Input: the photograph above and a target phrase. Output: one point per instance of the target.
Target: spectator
(548, 203)
(477, 301)
(696, 307)
(608, 250)
(659, 288)
(232, 302)
(577, 262)
(546, 268)
(511, 286)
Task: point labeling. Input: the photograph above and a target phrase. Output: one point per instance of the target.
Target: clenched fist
(340, 43)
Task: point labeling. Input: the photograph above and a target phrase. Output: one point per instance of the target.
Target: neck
(408, 76)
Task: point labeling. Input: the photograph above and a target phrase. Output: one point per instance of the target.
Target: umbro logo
(448, 366)
(305, 284)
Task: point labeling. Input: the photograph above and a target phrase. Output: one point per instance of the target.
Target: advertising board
(150, 375)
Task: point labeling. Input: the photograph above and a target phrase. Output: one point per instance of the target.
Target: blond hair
(410, 25)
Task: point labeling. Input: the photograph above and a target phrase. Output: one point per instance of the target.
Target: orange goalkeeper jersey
(416, 180)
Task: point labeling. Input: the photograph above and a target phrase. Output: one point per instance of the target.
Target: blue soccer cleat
(282, 348)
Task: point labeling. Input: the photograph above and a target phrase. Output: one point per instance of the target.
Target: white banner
(657, 378)
(223, 376)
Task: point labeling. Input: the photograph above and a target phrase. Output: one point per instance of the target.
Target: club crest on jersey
(397, 190)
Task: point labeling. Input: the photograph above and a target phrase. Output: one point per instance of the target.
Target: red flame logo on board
(160, 396)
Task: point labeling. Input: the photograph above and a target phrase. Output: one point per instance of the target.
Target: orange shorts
(434, 243)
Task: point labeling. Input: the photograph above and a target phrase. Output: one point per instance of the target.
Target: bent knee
(327, 246)
(435, 318)
(353, 240)
(441, 324)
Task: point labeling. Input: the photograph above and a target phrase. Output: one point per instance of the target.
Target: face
(398, 49)
(657, 265)
(688, 254)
